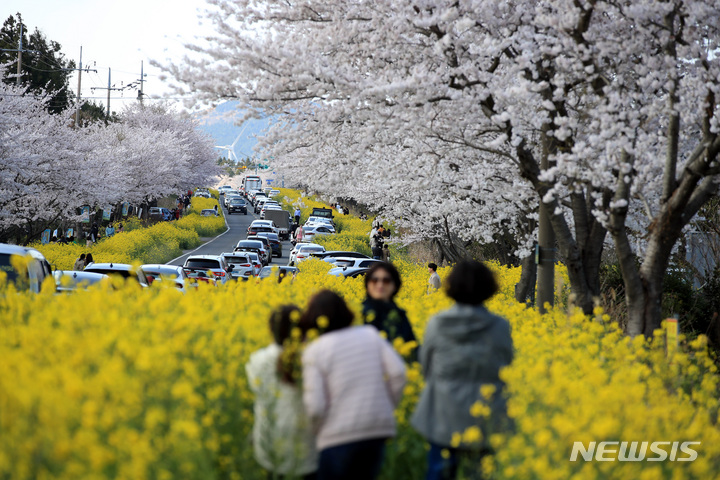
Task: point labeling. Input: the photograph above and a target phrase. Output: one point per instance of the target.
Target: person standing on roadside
(352, 382)
(297, 216)
(88, 260)
(434, 282)
(109, 230)
(463, 351)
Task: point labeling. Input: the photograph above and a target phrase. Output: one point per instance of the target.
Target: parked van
(28, 270)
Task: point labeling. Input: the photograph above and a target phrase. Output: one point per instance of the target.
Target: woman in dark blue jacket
(382, 283)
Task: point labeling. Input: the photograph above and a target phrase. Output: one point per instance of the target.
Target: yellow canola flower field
(150, 384)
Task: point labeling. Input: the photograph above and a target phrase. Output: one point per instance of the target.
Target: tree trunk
(525, 288)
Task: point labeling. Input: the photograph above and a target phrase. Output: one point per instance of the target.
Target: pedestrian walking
(462, 353)
(297, 216)
(434, 282)
(79, 263)
(94, 233)
(283, 441)
(382, 284)
(352, 382)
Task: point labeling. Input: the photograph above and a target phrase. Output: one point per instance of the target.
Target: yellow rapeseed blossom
(130, 384)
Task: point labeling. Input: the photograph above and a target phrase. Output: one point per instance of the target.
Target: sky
(118, 35)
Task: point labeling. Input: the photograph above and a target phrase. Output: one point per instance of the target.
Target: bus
(251, 182)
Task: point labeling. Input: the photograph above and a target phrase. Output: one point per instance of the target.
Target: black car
(237, 205)
(274, 240)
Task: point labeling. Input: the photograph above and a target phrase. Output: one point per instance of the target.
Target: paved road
(226, 242)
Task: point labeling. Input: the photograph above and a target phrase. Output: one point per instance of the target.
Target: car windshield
(237, 201)
(237, 259)
(7, 267)
(312, 249)
(158, 272)
(108, 271)
(203, 263)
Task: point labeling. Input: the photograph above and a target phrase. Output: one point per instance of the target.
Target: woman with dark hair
(382, 283)
(463, 351)
(89, 259)
(282, 438)
(352, 382)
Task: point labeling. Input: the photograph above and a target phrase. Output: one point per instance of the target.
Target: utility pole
(77, 106)
(142, 81)
(19, 65)
(19, 51)
(109, 89)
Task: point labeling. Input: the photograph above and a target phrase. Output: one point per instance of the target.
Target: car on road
(256, 246)
(256, 261)
(354, 272)
(240, 262)
(255, 229)
(303, 251)
(207, 263)
(124, 270)
(166, 273)
(229, 195)
(260, 203)
(284, 270)
(71, 280)
(338, 253)
(237, 204)
(27, 270)
(351, 262)
(274, 240)
(266, 243)
(268, 207)
(309, 233)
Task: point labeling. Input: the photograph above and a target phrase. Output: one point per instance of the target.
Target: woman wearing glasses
(382, 283)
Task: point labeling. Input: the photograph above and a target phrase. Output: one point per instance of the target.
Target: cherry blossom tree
(48, 169)
(605, 110)
(38, 164)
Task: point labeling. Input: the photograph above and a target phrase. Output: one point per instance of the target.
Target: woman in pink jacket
(352, 382)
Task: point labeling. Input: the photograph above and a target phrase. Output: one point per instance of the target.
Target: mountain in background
(220, 123)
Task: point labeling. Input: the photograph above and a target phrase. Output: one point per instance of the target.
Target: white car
(171, 273)
(303, 251)
(309, 233)
(352, 262)
(229, 194)
(320, 220)
(240, 263)
(269, 206)
(264, 223)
